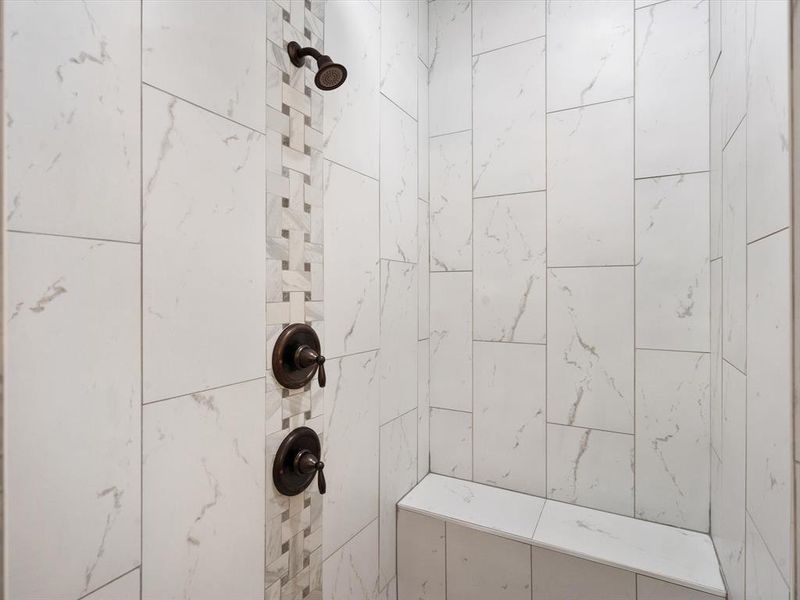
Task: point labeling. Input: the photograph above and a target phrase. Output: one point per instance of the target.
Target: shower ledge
(664, 552)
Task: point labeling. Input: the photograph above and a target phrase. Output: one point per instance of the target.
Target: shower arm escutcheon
(297, 357)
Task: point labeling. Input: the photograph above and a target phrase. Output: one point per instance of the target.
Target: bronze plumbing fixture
(297, 461)
(297, 357)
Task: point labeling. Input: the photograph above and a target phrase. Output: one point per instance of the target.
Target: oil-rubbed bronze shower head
(330, 75)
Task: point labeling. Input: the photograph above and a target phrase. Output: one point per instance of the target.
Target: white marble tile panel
(398, 174)
(398, 353)
(654, 589)
(350, 122)
(714, 33)
(398, 474)
(422, 35)
(556, 576)
(672, 267)
(399, 53)
(450, 80)
(72, 391)
(590, 56)
(420, 556)
(715, 392)
(351, 437)
(510, 428)
(671, 88)
(590, 348)
(509, 145)
(500, 23)
(423, 409)
(481, 566)
(214, 55)
(591, 468)
(769, 394)
(423, 141)
(204, 493)
(715, 165)
(352, 571)
(590, 218)
(733, 65)
(764, 579)
(672, 438)
(352, 278)
(451, 202)
(423, 271)
(203, 252)
(72, 102)
(509, 290)
(124, 588)
(451, 443)
(451, 340)
(768, 162)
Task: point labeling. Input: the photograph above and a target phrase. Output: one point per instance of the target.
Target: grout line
(471, 299)
(636, 263)
(764, 543)
(590, 104)
(546, 265)
(764, 237)
(351, 538)
(438, 135)
(404, 111)
(638, 348)
(490, 50)
(477, 341)
(141, 301)
(651, 5)
(550, 268)
(351, 169)
(110, 581)
(510, 194)
(74, 237)
(585, 428)
(667, 175)
(203, 391)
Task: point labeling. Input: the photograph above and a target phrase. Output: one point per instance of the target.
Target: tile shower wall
(569, 236)
(751, 313)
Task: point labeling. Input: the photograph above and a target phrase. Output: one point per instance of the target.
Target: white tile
(423, 409)
(672, 270)
(399, 52)
(769, 394)
(389, 592)
(715, 164)
(214, 56)
(204, 491)
(352, 571)
(509, 144)
(500, 23)
(352, 38)
(451, 340)
(734, 253)
(423, 142)
(715, 395)
(672, 438)
(509, 291)
(398, 353)
(450, 80)
(451, 202)
(486, 508)
(204, 290)
(734, 65)
(764, 580)
(398, 192)
(590, 218)
(352, 279)
(768, 163)
(671, 88)
(714, 33)
(73, 394)
(124, 588)
(481, 566)
(72, 102)
(590, 58)
(557, 575)
(422, 34)
(451, 443)
(351, 438)
(590, 348)
(510, 428)
(674, 555)
(423, 272)
(420, 557)
(398, 474)
(590, 468)
(654, 589)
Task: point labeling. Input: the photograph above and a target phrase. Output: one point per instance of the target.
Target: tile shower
(546, 245)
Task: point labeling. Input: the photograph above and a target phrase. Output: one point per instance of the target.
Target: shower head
(330, 75)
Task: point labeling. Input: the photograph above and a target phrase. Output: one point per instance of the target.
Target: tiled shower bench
(459, 540)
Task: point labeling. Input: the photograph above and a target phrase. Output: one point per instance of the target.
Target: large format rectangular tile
(451, 443)
(450, 80)
(509, 290)
(509, 144)
(72, 103)
(769, 394)
(590, 54)
(451, 202)
(423, 140)
(352, 38)
(671, 88)
(510, 428)
(451, 340)
(352, 279)
(204, 493)
(399, 53)
(351, 438)
(213, 55)
(423, 409)
(733, 65)
(715, 396)
(124, 588)
(764, 579)
(715, 165)
(556, 576)
(500, 23)
(672, 279)
(203, 251)
(590, 348)
(73, 395)
(423, 272)
(672, 447)
(352, 571)
(590, 217)
(591, 468)
(420, 556)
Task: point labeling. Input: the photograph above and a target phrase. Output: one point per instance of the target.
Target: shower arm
(297, 54)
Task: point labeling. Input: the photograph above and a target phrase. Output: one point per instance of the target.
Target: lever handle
(306, 462)
(306, 357)
(323, 487)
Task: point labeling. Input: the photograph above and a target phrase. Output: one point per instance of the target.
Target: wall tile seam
(73, 237)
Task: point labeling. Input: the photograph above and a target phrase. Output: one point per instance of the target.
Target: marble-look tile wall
(752, 501)
(569, 251)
